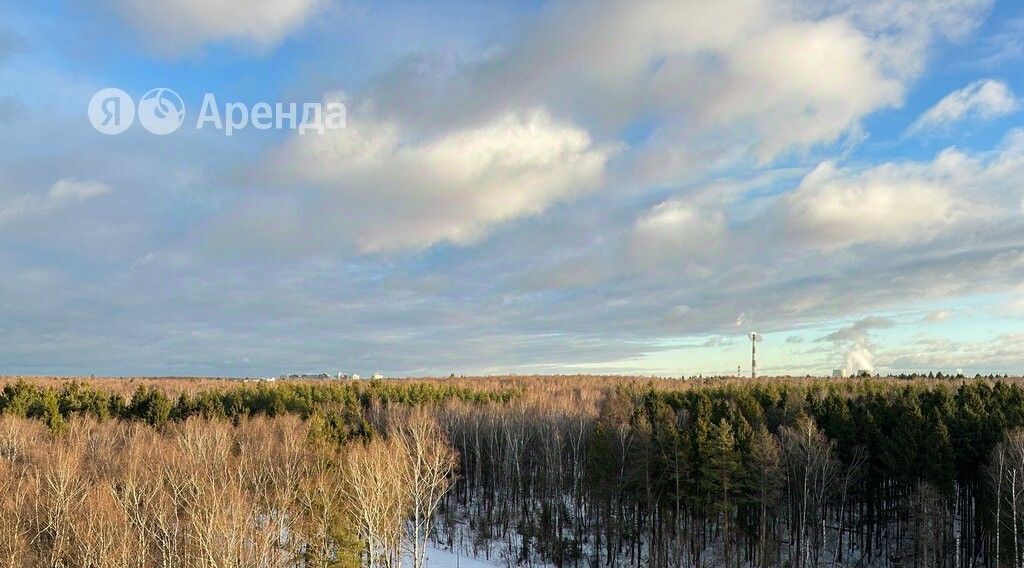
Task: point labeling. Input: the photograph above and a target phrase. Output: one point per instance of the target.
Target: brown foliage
(122, 495)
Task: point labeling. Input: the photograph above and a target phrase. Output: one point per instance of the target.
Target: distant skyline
(602, 186)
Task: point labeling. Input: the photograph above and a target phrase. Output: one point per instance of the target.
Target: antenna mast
(753, 355)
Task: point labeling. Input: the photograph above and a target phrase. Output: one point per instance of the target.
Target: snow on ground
(440, 558)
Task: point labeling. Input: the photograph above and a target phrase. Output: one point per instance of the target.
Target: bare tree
(1007, 471)
(376, 499)
(813, 473)
(429, 465)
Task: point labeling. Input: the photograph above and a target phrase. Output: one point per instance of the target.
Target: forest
(516, 471)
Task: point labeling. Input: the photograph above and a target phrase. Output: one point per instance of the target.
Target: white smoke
(855, 341)
(860, 357)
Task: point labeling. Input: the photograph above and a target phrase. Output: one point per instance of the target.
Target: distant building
(838, 373)
(377, 376)
(307, 376)
(355, 376)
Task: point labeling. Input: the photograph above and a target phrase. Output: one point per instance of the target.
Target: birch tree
(429, 464)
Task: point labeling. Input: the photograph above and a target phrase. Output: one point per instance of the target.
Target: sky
(567, 186)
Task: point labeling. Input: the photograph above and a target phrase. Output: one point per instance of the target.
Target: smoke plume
(855, 342)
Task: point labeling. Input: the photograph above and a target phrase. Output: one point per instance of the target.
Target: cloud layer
(600, 184)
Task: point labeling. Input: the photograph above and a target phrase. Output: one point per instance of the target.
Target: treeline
(54, 405)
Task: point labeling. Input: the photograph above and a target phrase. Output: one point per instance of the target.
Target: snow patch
(440, 558)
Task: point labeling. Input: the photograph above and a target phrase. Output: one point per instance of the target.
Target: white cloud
(678, 311)
(70, 189)
(675, 229)
(890, 203)
(938, 316)
(724, 79)
(721, 82)
(987, 355)
(984, 100)
(173, 27)
(858, 330)
(906, 202)
(60, 194)
(905, 28)
(388, 190)
(781, 84)
(1005, 46)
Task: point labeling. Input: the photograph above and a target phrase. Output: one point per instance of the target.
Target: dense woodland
(521, 471)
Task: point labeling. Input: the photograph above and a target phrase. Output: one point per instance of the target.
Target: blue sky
(565, 186)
